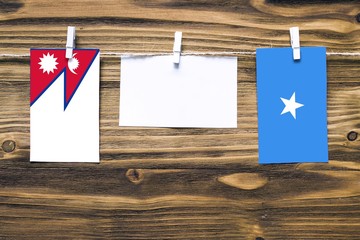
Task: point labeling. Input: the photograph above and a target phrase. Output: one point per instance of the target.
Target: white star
(48, 63)
(291, 105)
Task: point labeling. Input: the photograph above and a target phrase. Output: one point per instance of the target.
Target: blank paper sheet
(200, 92)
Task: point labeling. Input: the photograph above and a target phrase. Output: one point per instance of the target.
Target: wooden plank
(182, 203)
(149, 25)
(180, 183)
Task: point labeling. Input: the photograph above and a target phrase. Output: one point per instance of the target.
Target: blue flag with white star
(291, 96)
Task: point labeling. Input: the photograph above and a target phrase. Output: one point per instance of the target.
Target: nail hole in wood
(352, 136)
(135, 176)
(8, 146)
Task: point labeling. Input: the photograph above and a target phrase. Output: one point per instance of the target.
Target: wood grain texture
(166, 183)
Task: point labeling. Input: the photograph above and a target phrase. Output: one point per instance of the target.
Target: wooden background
(180, 183)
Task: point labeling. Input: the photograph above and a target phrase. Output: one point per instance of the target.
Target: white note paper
(200, 92)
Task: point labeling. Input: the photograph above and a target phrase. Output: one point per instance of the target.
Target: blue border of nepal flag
(292, 119)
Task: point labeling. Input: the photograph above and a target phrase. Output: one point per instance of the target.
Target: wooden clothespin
(177, 47)
(70, 42)
(295, 42)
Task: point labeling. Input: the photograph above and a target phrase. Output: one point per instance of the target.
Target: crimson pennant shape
(47, 65)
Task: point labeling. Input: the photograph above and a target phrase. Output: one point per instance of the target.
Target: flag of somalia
(291, 98)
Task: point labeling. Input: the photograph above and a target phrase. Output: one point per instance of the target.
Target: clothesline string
(119, 54)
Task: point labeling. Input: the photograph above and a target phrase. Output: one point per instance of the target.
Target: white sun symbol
(73, 64)
(48, 63)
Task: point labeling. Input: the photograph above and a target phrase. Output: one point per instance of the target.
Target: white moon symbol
(73, 64)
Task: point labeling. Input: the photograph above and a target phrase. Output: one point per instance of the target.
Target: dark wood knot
(8, 146)
(358, 18)
(352, 136)
(10, 6)
(135, 176)
(259, 238)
